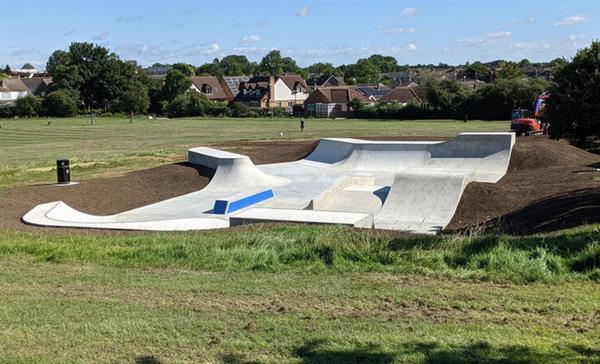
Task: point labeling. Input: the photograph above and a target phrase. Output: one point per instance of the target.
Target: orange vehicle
(521, 122)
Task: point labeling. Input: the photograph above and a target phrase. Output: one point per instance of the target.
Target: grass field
(278, 294)
(300, 294)
(29, 147)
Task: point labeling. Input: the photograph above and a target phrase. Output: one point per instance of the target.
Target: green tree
(272, 63)
(385, 64)
(176, 83)
(572, 109)
(135, 100)
(210, 69)
(28, 106)
(189, 104)
(28, 66)
(93, 74)
(363, 71)
(186, 69)
(508, 71)
(323, 69)
(60, 104)
(478, 71)
(234, 65)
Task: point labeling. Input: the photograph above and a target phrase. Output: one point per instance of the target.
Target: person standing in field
(301, 124)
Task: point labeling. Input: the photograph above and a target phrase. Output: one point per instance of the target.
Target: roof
(34, 83)
(12, 84)
(217, 90)
(377, 91)
(337, 94)
(403, 94)
(321, 80)
(233, 83)
(293, 80)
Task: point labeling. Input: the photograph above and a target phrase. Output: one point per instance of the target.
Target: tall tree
(186, 69)
(28, 66)
(234, 65)
(363, 71)
(176, 83)
(508, 71)
(271, 63)
(320, 68)
(572, 109)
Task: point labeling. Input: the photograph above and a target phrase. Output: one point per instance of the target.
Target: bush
(28, 106)
(60, 104)
(238, 109)
(188, 104)
(273, 111)
(7, 111)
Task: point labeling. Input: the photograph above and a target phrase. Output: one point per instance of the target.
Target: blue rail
(239, 201)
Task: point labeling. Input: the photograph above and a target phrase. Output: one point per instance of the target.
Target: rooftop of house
(217, 92)
(335, 94)
(403, 94)
(12, 84)
(34, 83)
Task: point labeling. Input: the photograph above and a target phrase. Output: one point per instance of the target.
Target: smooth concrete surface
(412, 186)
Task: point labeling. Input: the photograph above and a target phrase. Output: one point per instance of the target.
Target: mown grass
(299, 294)
(30, 145)
(568, 255)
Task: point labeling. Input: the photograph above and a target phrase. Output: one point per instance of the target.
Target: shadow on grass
(147, 359)
(312, 352)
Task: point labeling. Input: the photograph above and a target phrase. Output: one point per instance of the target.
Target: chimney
(272, 91)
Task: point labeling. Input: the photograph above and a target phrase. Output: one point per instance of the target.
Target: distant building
(329, 102)
(157, 73)
(284, 91)
(325, 81)
(545, 73)
(11, 90)
(232, 84)
(400, 78)
(404, 95)
(37, 86)
(210, 87)
(373, 91)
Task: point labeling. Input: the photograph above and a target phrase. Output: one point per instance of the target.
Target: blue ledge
(239, 201)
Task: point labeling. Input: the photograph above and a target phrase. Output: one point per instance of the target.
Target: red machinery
(521, 123)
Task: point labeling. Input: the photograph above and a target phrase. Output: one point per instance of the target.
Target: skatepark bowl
(408, 186)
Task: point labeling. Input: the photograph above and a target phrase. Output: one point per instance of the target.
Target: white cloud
(411, 46)
(303, 11)
(408, 11)
(101, 36)
(485, 39)
(395, 30)
(531, 19)
(534, 46)
(571, 20)
(69, 32)
(574, 38)
(250, 39)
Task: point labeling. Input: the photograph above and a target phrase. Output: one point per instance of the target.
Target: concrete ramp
(410, 186)
(422, 200)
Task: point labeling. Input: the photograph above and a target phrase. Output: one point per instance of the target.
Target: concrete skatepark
(408, 186)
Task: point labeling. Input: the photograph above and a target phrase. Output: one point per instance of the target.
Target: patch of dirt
(549, 185)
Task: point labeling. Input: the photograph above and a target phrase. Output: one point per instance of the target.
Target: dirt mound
(549, 185)
(540, 152)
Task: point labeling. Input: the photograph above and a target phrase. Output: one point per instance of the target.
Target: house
(12, 89)
(210, 87)
(284, 91)
(404, 95)
(400, 78)
(318, 80)
(373, 91)
(37, 86)
(158, 73)
(327, 102)
(232, 84)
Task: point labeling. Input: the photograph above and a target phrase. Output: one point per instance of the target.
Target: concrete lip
(409, 186)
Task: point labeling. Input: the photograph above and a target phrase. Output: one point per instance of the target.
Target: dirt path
(550, 185)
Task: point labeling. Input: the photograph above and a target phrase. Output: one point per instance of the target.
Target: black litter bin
(62, 171)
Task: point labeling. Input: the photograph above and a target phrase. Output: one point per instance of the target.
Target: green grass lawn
(301, 294)
(29, 147)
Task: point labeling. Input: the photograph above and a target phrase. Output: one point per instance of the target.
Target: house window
(278, 103)
(290, 103)
(206, 89)
(300, 89)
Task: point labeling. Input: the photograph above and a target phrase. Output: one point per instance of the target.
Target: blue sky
(309, 31)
